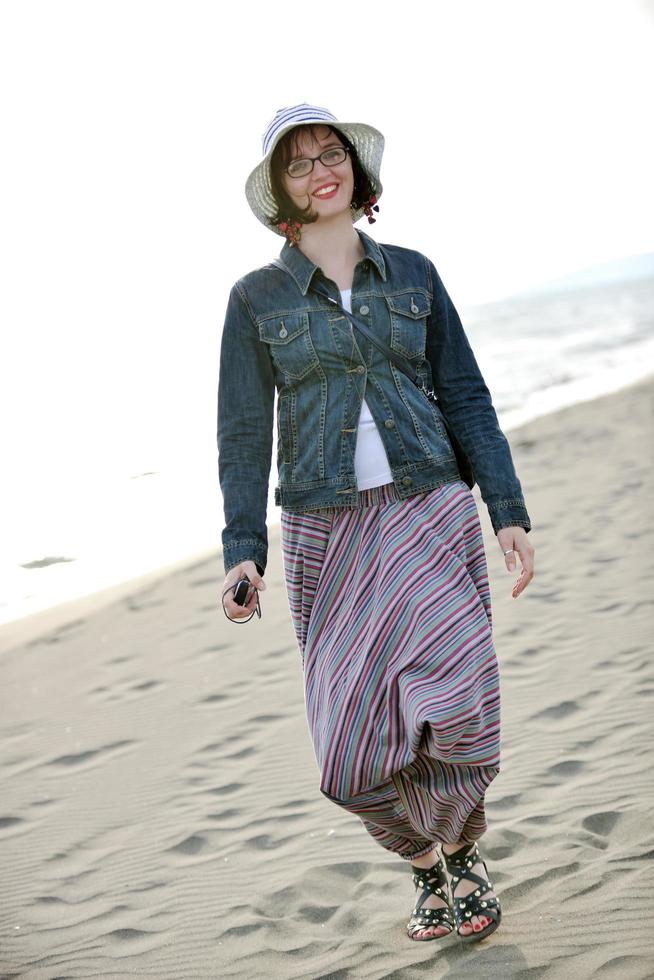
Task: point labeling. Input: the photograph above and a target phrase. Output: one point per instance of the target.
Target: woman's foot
(461, 888)
(434, 900)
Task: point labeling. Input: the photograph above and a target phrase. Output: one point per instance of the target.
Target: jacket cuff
(509, 513)
(247, 549)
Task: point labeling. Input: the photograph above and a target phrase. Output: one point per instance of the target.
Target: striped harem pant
(390, 603)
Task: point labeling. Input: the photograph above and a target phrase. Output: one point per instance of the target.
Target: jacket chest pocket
(290, 344)
(409, 312)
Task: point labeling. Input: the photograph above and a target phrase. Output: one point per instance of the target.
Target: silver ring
(508, 551)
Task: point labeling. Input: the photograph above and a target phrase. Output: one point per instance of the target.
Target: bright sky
(518, 148)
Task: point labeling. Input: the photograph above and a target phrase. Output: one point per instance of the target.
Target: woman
(383, 553)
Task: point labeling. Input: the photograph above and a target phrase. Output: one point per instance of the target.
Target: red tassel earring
(292, 231)
(370, 206)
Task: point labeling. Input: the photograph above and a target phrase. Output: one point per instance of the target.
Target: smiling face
(327, 189)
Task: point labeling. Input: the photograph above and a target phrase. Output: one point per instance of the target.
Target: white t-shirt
(370, 459)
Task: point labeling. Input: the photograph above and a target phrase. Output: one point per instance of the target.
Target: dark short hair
(282, 155)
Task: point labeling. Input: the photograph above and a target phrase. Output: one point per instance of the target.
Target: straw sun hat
(367, 141)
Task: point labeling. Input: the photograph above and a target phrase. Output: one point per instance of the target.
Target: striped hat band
(293, 116)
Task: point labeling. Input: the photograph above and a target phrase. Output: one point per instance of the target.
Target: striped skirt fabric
(390, 603)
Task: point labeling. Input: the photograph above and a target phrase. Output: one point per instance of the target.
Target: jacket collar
(302, 269)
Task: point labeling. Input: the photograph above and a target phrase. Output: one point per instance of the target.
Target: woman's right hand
(233, 610)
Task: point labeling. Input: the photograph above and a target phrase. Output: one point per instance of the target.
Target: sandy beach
(160, 811)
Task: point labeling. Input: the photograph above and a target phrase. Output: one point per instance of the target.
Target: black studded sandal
(433, 881)
(459, 865)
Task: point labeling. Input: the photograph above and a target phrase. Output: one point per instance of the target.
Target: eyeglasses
(329, 158)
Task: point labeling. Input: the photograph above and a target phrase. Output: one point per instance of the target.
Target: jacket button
(389, 423)
(407, 481)
(360, 369)
(364, 310)
(414, 308)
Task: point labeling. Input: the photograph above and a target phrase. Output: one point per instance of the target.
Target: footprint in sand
(601, 823)
(125, 690)
(569, 767)
(562, 710)
(90, 755)
(212, 699)
(7, 822)
(190, 846)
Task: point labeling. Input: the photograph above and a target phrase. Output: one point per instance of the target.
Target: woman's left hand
(516, 538)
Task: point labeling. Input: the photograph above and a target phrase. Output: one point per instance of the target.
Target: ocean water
(82, 513)
(540, 353)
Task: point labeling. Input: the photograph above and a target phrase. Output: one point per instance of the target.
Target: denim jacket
(280, 335)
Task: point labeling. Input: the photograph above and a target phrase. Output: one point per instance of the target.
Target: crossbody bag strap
(465, 467)
(397, 359)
